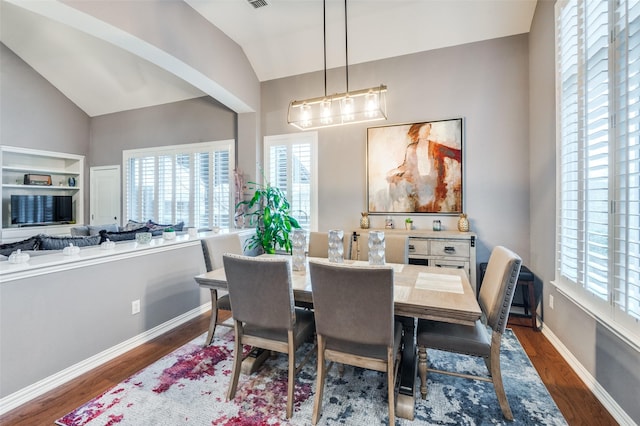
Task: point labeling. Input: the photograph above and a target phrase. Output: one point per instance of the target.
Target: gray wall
(53, 321)
(34, 114)
(191, 121)
(609, 360)
(486, 83)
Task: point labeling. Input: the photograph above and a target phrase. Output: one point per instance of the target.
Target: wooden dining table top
(420, 291)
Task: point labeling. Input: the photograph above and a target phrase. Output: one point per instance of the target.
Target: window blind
(188, 183)
(291, 164)
(598, 128)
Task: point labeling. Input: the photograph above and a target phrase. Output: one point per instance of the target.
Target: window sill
(628, 331)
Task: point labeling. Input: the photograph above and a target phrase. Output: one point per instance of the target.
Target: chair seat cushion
(224, 302)
(305, 326)
(471, 340)
(369, 351)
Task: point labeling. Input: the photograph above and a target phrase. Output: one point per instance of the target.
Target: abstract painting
(415, 167)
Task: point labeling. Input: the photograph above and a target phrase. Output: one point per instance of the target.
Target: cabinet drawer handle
(450, 250)
(412, 247)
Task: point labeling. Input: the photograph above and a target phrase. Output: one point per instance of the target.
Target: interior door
(104, 198)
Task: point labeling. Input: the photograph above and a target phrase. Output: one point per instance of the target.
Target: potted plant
(271, 212)
(408, 223)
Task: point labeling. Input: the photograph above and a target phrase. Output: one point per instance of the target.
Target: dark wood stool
(529, 302)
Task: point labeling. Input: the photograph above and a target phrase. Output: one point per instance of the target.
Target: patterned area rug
(188, 387)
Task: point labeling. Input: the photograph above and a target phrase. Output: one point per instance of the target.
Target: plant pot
(408, 225)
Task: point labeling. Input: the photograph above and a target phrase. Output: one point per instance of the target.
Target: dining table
(420, 292)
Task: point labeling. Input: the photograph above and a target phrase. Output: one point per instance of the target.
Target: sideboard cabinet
(442, 249)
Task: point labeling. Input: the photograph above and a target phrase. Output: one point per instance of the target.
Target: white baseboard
(47, 384)
(603, 396)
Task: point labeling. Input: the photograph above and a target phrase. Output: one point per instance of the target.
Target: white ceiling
(281, 39)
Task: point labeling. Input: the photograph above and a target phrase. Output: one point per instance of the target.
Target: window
(598, 127)
(190, 183)
(290, 163)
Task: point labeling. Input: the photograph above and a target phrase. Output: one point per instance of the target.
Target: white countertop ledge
(92, 255)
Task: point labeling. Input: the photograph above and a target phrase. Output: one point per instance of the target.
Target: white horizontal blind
(187, 183)
(598, 107)
(291, 163)
(626, 277)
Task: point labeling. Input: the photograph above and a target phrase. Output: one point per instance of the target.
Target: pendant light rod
(346, 47)
(324, 32)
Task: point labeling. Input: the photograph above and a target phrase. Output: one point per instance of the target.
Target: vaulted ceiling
(282, 38)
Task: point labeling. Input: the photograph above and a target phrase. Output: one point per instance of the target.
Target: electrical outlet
(551, 301)
(135, 307)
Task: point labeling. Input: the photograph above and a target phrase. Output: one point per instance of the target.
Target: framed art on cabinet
(415, 167)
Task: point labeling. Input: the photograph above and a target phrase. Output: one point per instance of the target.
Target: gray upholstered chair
(213, 248)
(355, 323)
(264, 315)
(495, 297)
(319, 245)
(396, 247)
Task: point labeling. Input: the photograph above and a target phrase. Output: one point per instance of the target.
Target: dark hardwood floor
(578, 405)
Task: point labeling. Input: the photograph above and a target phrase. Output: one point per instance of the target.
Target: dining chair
(264, 315)
(355, 323)
(396, 247)
(495, 298)
(213, 248)
(319, 245)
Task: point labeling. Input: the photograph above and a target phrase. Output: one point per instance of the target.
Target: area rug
(188, 387)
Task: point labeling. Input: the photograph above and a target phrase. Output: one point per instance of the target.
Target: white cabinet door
(105, 195)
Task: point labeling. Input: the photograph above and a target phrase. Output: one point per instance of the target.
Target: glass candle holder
(376, 248)
(299, 242)
(336, 247)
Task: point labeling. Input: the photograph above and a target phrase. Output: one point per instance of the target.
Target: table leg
(214, 316)
(405, 402)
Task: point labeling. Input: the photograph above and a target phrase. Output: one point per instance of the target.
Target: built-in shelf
(60, 167)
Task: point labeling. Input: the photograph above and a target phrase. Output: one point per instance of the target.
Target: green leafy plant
(270, 210)
(408, 220)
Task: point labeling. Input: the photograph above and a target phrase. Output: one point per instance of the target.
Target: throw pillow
(28, 244)
(52, 242)
(157, 226)
(80, 231)
(95, 229)
(132, 225)
(121, 236)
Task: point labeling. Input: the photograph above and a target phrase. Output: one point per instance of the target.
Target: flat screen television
(41, 209)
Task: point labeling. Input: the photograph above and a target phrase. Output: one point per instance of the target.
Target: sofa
(83, 236)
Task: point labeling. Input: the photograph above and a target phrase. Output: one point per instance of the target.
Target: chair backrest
(498, 287)
(319, 245)
(260, 290)
(214, 247)
(396, 247)
(353, 303)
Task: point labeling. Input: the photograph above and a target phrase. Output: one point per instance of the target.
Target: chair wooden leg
(320, 377)
(422, 370)
(214, 316)
(237, 361)
(292, 374)
(496, 376)
(391, 386)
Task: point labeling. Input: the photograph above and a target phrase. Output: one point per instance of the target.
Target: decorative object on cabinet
(71, 250)
(463, 223)
(408, 224)
(364, 220)
(415, 167)
(31, 179)
(437, 225)
(18, 257)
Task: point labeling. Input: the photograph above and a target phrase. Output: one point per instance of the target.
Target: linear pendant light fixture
(358, 106)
